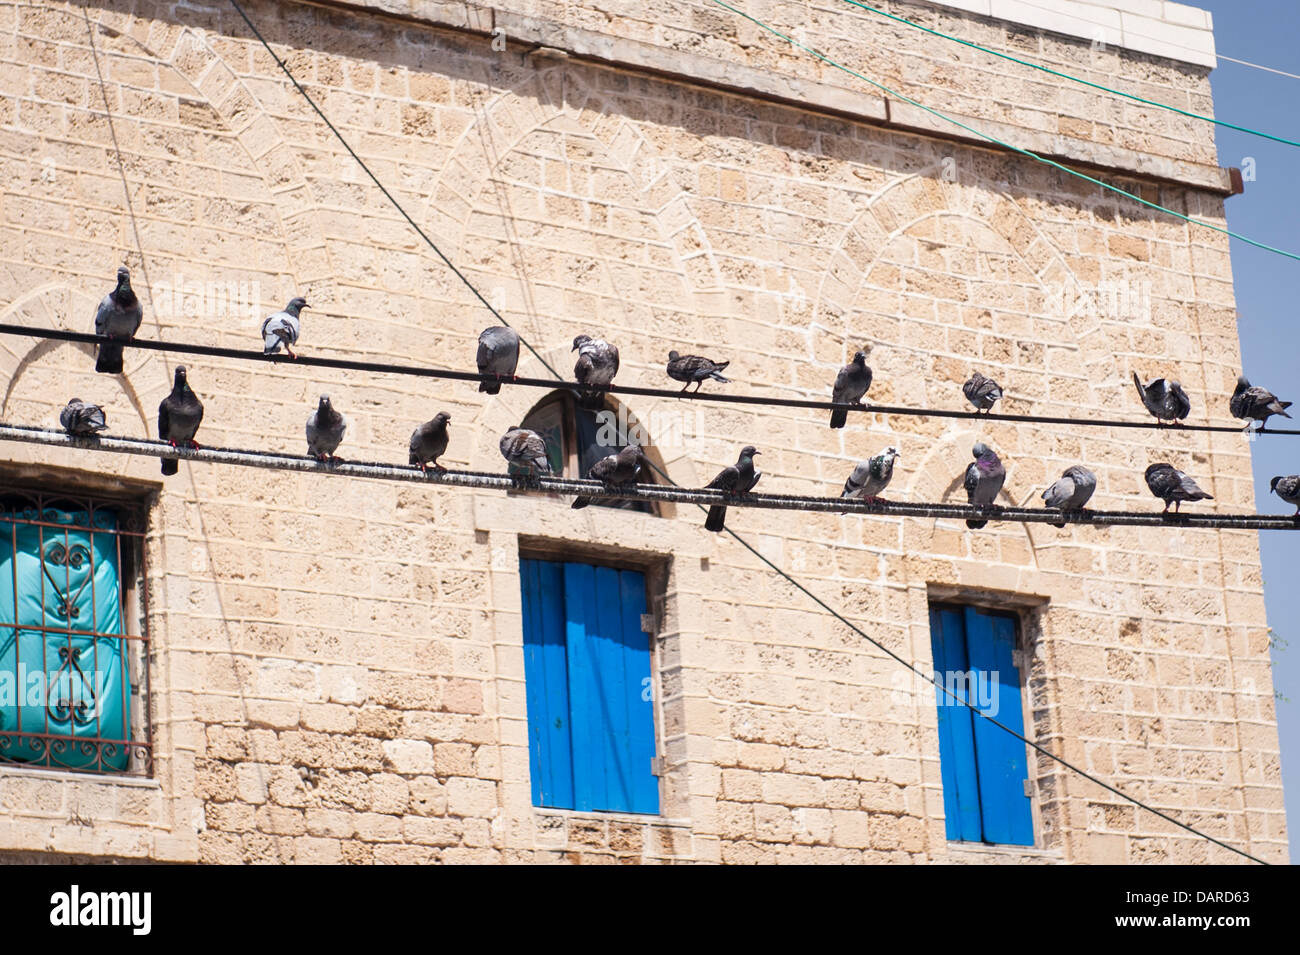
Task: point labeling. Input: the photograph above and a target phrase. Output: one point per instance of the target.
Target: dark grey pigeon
(1173, 486)
(984, 478)
(325, 430)
(119, 316)
(1072, 491)
(498, 354)
(179, 416)
(429, 442)
(871, 477)
(851, 385)
(1164, 399)
(282, 328)
(82, 418)
(1252, 403)
(526, 450)
(981, 392)
(597, 365)
(1288, 489)
(738, 479)
(695, 368)
(614, 470)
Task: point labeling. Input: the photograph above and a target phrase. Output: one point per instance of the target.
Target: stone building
(324, 669)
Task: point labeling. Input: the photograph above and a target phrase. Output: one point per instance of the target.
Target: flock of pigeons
(180, 413)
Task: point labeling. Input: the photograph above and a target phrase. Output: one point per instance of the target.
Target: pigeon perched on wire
(984, 478)
(737, 479)
(1164, 399)
(526, 451)
(1288, 489)
(179, 416)
(325, 430)
(597, 365)
(429, 442)
(1071, 491)
(82, 418)
(119, 316)
(498, 354)
(871, 477)
(1251, 403)
(851, 385)
(282, 328)
(695, 368)
(1173, 486)
(981, 392)
(614, 470)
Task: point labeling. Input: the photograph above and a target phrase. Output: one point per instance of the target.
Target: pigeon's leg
(424, 468)
(439, 467)
(685, 386)
(194, 445)
(291, 352)
(698, 385)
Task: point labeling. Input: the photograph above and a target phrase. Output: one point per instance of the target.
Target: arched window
(576, 438)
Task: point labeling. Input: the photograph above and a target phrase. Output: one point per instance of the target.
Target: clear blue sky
(1267, 32)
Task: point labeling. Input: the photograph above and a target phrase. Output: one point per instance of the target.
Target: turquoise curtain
(71, 687)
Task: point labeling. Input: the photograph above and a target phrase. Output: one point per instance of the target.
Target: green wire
(1005, 145)
(1076, 79)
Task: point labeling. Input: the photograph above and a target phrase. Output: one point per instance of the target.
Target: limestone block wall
(337, 669)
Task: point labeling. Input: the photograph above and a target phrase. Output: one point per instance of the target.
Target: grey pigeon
(1072, 491)
(179, 416)
(498, 354)
(282, 328)
(1252, 403)
(429, 442)
(984, 478)
(871, 477)
(981, 392)
(1288, 489)
(325, 429)
(740, 478)
(614, 470)
(119, 316)
(695, 368)
(1173, 486)
(597, 365)
(526, 450)
(82, 418)
(1164, 399)
(851, 385)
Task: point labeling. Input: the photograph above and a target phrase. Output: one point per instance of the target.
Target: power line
(1266, 69)
(1068, 76)
(1006, 145)
(388, 368)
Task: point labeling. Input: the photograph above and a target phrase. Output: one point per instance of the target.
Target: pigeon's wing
(165, 419)
(1060, 493)
(842, 384)
(972, 479)
(1190, 488)
(727, 480)
(583, 369)
(102, 315)
(857, 481)
(1179, 403)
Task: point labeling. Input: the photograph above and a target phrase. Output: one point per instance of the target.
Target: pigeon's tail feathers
(976, 525)
(591, 400)
(170, 466)
(1137, 383)
(109, 360)
(580, 502)
(1281, 408)
(491, 387)
(1055, 524)
(716, 377)
(839, 417)
(717, 518)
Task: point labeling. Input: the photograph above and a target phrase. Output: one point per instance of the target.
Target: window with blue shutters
(984, 768)
(591, 737)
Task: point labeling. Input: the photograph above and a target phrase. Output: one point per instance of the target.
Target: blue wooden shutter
(547, 684)
(961, 794)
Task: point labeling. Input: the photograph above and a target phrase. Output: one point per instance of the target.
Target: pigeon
(429, 442)
(981, 392)
(871, 477)
(740, 478)
(119, 316)
(597, 365)
(1173, 486)
(1288, 489)
(1253, 403)
(498, 354)
(526, 450)
(614, 469)
(1164, 399)
(325, 429)
(83, 419)
(695, 368)
(179, 416)
(983, 481)
(1072, 491)
(850, 385)
(282, 328)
